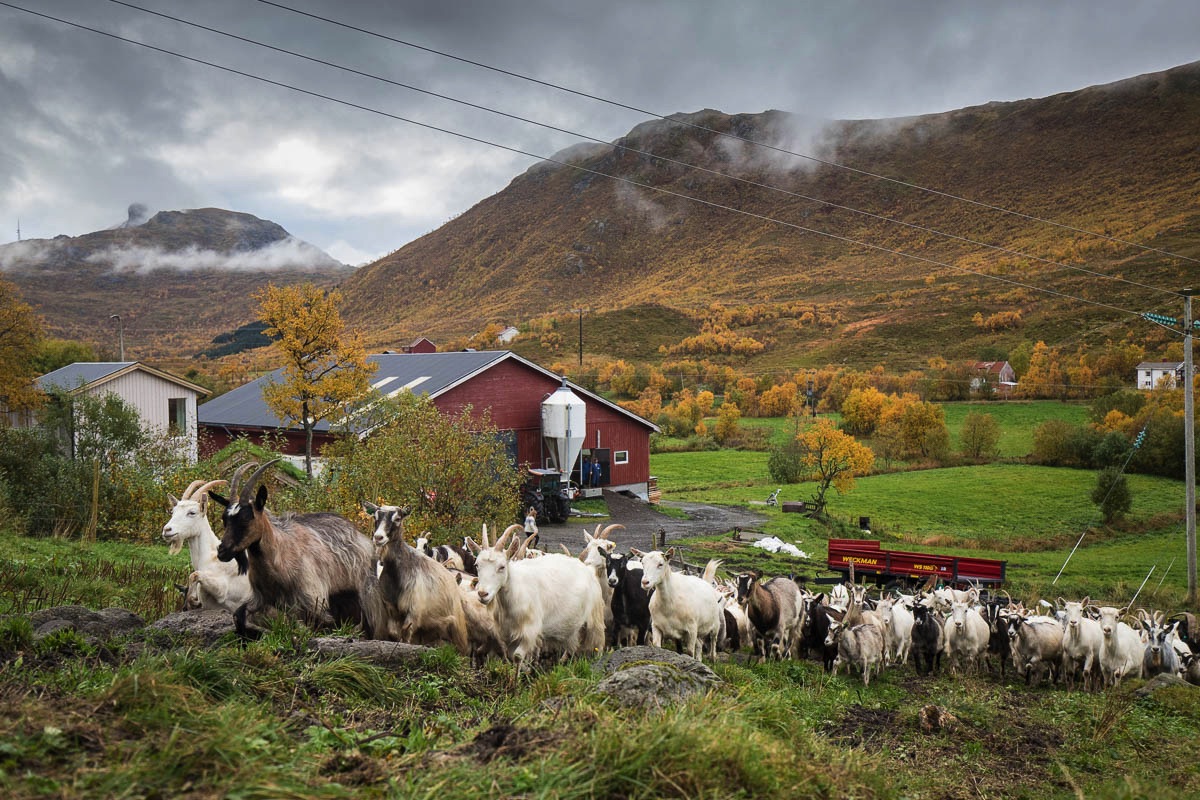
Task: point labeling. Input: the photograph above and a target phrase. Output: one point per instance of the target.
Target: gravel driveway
(643, 521)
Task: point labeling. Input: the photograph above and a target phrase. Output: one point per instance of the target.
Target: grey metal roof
(80, 373)
(421, 373)
(89, 373)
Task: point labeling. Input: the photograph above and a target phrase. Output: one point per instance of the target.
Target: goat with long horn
(318, 566)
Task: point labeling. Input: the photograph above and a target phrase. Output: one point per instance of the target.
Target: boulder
(650, 677)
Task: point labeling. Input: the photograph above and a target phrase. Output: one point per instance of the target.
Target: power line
(667, 118)
(635, 151)
(599, 173)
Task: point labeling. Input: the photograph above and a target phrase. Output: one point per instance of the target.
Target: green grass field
(1017, 420)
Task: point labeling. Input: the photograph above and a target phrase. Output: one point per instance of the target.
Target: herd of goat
(508, 599)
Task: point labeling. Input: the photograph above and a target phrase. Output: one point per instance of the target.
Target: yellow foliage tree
(861, 411)
(704, 402)
(832, 458)
(20, 334)
(325, 367)
(727, 422)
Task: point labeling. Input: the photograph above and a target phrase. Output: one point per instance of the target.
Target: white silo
(564, 426)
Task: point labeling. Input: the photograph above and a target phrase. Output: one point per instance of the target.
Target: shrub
(980, 437)
(786, 464)
(1112, 494)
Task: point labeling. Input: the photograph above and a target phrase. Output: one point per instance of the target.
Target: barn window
(176, 416)
(621, 457)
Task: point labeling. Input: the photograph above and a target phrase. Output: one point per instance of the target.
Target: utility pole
(120, 336)
(580, 310)
(1189, 431)
(1189, 443)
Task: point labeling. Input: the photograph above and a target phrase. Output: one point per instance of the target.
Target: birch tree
(325, 366)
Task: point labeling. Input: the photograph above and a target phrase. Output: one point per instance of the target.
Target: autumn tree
(861, 411)
(914, 429)
(832, 458)
(980, 436)
(727, 423)
(454, 470)
(20, 336)
(325, 366)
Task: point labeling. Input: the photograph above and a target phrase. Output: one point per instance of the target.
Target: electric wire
(667, 118)
(599, 173)
(639, 152)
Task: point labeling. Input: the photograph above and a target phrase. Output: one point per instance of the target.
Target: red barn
(509, 386)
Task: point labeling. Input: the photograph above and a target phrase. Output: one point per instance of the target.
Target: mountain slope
(817, 280)
(177, 280)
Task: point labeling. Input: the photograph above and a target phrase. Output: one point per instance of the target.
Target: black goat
(630, 602)
(928, 639)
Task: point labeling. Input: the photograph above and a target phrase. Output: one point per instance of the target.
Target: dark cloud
(91, 124)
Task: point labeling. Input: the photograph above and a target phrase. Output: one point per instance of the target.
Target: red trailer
(889, 566)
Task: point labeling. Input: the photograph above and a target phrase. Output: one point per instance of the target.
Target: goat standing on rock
(316, 565)
(421, 596)
(213, 584)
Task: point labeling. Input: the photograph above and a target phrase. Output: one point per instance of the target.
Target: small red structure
(869, 558)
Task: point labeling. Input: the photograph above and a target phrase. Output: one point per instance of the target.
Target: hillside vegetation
(648, 265)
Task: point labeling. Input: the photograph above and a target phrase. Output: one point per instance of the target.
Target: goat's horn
(604, 533)
(504, 537)
(486, 543)
(235, 482)
(203, 490)
(187, 493)
(244, 497)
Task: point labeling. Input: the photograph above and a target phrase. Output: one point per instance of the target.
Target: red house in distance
(510, 387)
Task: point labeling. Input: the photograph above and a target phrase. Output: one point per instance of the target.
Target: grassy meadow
(138, 717)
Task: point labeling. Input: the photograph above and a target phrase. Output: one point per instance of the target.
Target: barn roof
(83, 374)
(431, 374)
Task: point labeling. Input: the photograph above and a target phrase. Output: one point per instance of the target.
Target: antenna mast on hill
(18, 229)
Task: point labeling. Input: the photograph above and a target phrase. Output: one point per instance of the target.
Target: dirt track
(643, 521)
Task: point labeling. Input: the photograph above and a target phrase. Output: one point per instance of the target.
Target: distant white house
(507, 335)
(165, 403)
(1152, 374)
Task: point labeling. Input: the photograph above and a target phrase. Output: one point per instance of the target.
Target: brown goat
(317, 566)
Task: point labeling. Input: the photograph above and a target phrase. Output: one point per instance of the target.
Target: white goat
(683, 607)
(1121, 653)
(213, 584)
(548, 605)
(897, 620)
(595, 554)
(1082, 640)
(967, 635)
(1037, 642)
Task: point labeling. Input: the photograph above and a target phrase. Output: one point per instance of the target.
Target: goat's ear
(369, 507)
(1060, 602)
(565, 549)
(221, 500)
(472, 545)
(404, 511)
(172, 499)
(260, 499)
(670, 553)
(633, 551)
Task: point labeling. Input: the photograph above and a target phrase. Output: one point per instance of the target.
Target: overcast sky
(90, 124)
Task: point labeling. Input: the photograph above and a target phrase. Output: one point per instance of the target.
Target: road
(643, 522)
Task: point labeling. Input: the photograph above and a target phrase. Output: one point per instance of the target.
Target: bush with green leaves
(454, 471)
(1112, 494)
(786, 463)
(89, 469)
